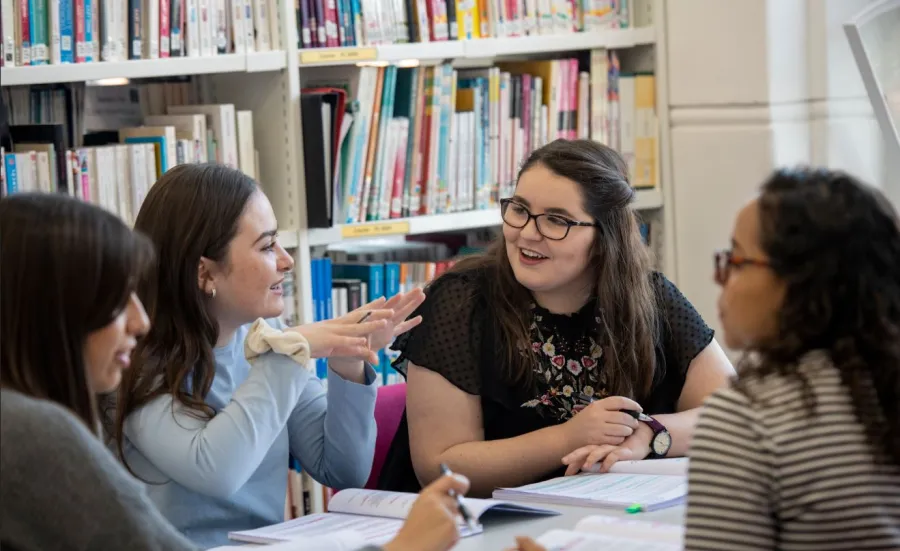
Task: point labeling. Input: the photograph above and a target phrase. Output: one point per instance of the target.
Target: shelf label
(338, 55)
(374, 230)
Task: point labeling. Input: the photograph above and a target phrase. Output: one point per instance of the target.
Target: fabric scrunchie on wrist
(262, 338)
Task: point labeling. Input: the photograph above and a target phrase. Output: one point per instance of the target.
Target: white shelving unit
(486, 48)
(272, 92)
(457, 221)
(143, 68)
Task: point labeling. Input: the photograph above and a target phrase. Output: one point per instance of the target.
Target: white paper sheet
(631, 528)
(564, 540)
(372, 530)
(347, 540)
(671, 466)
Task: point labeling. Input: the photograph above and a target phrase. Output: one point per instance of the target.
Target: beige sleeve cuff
(262, 338)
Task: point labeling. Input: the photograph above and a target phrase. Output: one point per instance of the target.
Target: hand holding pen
(432, 523)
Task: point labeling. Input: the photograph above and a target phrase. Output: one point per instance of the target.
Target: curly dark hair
(835, 242)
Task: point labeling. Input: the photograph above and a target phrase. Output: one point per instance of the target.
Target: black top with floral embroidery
(457, 339)
(569, 370)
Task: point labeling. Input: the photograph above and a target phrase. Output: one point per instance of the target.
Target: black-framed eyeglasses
(724, 261)
(552, 226)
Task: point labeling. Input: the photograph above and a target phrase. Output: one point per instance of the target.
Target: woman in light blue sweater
(72, 263)
(210, 432)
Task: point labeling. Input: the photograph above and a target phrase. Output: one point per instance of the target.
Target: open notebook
(621, 534)
(652, 484)
(376, 516)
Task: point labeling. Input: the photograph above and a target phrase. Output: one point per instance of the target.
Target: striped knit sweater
(768, 473)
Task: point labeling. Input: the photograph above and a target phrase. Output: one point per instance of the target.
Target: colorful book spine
(90, 12)
(176, 29)
(12, 174)
(164, 33)
(66, 31)
(38, 31)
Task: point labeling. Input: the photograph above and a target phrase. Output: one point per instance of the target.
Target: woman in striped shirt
(803, 452)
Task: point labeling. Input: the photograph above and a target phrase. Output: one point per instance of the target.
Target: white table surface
(500, 535)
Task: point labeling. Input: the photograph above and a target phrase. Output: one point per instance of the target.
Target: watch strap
(657, 428)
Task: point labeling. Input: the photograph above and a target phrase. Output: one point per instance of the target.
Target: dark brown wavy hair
(619, 259)
(835, 242)
(67, 268)
(193, 211)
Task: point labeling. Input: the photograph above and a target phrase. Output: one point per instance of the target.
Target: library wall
(756, 85)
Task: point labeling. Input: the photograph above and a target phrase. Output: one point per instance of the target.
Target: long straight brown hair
(193, 211)
(67, 268)
(626, 302)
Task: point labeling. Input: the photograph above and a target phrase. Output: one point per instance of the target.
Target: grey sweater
(61, 489)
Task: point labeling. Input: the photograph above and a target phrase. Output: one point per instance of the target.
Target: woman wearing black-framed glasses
(531, 350)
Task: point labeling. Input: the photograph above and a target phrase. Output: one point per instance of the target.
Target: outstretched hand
(402, 305)
(346, 338)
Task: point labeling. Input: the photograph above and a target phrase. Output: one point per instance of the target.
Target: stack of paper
(650, 484)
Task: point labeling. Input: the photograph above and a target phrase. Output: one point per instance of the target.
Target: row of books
(335, 23)
(84, 109)
(340, 288)
(115, 169)
(41, 32)
(305, 496)
(390, 142)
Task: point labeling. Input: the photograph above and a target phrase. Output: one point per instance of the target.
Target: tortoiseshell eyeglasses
(725, 261)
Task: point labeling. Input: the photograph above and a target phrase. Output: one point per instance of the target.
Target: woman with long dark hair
(803, 452)
(219, 394)
(69, 320)
(527, 353)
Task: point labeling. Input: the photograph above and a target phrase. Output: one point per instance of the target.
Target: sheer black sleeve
(685, 333)
(449, 338)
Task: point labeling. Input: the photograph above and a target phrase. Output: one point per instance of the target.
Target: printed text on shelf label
(338, 55)
(371, 230)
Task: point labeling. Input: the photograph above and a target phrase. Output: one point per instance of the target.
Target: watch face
(661, 443)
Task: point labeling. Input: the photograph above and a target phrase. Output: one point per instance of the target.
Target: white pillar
(755, 85)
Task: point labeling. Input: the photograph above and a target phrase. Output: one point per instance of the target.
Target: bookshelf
(641, 47)
(269, 84)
